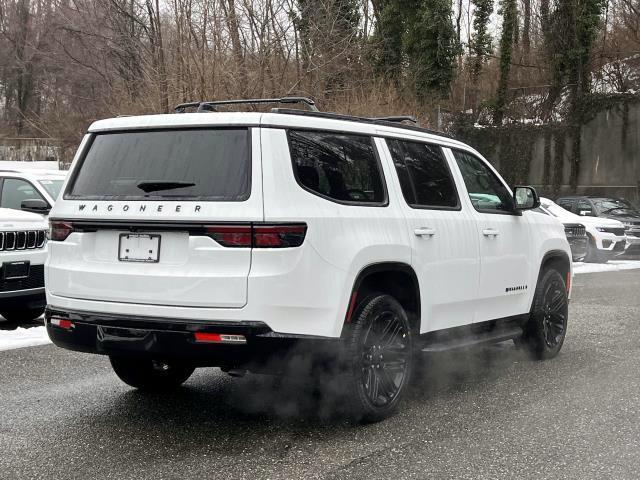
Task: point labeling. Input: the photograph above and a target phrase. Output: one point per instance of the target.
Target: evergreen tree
(509, 19)
(390, 26)
(481, 42)
(431, 47)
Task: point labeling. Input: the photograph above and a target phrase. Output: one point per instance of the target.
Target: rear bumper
(121, 335)
(30, 299)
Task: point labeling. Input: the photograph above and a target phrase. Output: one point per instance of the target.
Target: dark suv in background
(615, 208)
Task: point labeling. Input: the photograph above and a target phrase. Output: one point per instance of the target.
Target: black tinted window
(204, 164)
(338, 166)
(424, 175)
(486, 191)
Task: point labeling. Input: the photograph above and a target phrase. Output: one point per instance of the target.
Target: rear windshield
(178, 164)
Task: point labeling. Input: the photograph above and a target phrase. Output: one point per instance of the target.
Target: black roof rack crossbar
(211, 106)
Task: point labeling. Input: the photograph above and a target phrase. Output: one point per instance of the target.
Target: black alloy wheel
(545, 332)
(379, 350)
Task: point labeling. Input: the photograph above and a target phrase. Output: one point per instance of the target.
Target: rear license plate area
(137, 247)
(15, 270)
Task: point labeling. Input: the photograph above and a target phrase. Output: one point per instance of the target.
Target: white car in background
(23, 251)
(607, 237)
(30, 190)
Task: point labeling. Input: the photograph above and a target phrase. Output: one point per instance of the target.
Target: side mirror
(526, 198)
(586, 213)
(35, 205)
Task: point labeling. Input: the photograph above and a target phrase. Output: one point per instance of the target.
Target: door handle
(490, 232)
(425, 232)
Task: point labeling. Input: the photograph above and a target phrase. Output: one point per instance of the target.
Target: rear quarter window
(193, 164)
(337, 166)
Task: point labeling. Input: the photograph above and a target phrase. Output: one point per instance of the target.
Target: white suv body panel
(304, 290)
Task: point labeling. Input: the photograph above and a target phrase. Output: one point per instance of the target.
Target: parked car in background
(227, 239)
(613, 208)
(606, 237)
(30, 190)
(23, 251)
(576, 232)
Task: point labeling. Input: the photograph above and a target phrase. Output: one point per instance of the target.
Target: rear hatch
(151, 217)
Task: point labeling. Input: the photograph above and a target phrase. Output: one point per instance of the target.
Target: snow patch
(610, 266)
(23, 337)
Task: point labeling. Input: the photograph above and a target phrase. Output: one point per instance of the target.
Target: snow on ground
(610, 266)
(23, 337)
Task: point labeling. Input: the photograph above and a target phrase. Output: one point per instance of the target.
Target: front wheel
(152, 375)
(379, 358)
(547, 326)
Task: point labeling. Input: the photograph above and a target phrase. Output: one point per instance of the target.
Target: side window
(487, 192)
(584, 208)
(338, 166)
(15, 191)
(424, 175)
(566, 204)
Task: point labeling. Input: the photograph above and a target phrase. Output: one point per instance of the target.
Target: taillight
(231, 235)
(278, 236)
(60, 230)
(258, 236)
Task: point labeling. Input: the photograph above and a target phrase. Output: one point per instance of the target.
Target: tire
(545, 331)
(379, 348)
(22, 315)
(593, 254)
(151, 375)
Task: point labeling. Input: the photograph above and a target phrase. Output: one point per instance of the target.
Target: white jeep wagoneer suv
(224, 238)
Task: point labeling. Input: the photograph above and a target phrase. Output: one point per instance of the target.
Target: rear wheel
(547, 326)
(379, 358)
(152, 375)
(22, 315)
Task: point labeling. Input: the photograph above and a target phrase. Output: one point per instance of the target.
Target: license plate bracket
(15, 270)
(139, 247)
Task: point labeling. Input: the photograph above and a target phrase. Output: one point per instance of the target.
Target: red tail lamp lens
(60, 230)
(231, 235)
(278, 236)
(258, 236)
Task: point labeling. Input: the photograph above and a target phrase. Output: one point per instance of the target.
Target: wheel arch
(397, 279)
(561, 261)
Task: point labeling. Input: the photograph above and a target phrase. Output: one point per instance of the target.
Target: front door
(504, 241)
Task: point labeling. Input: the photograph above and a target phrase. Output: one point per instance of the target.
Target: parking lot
(483, 413)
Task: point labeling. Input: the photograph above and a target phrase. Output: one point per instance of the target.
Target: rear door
(160, 217)
(503, 237)
(444, 247)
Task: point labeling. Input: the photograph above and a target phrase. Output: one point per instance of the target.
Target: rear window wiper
(156, 186)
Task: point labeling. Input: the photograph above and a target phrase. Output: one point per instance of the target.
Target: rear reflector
(62, 323)
(205, 337)
(258, 236)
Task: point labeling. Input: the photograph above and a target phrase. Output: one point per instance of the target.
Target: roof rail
(211, 106)
(383, 121)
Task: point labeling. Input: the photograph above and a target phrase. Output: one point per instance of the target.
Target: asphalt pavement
(487, 412)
